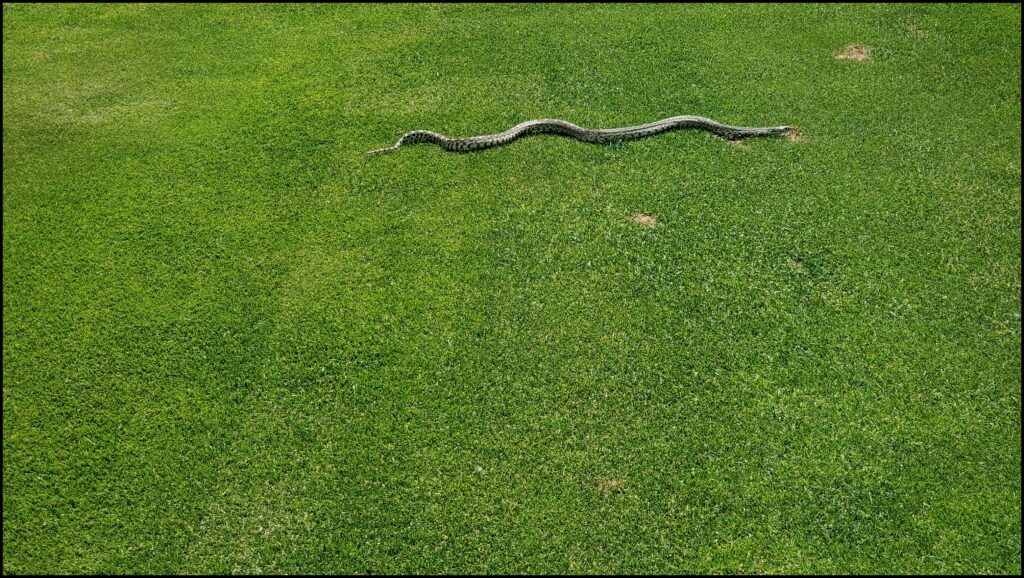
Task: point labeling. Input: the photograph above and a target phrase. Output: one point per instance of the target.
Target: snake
(596, 136)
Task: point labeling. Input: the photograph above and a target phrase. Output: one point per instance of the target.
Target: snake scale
(565, 128)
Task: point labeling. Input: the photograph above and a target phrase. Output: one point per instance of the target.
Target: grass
(232, 342)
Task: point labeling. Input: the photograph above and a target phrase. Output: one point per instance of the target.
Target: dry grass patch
(795, 136)
(611, 486)
(645, 220)
(854, 52)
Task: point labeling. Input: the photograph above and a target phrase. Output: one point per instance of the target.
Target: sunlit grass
(233, 342)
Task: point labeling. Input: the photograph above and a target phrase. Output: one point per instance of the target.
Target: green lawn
(233, 342)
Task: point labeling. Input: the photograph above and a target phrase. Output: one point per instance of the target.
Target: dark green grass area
(232, 342)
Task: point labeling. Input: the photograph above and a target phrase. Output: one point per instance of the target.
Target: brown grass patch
(611, 486)
(854, 52)
(794, 135)
(645, 220)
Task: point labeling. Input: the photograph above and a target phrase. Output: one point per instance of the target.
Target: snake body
(565, 128)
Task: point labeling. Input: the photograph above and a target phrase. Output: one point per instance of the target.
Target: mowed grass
(232, 342)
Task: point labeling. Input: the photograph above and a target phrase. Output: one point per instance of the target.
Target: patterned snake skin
(561, 127)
